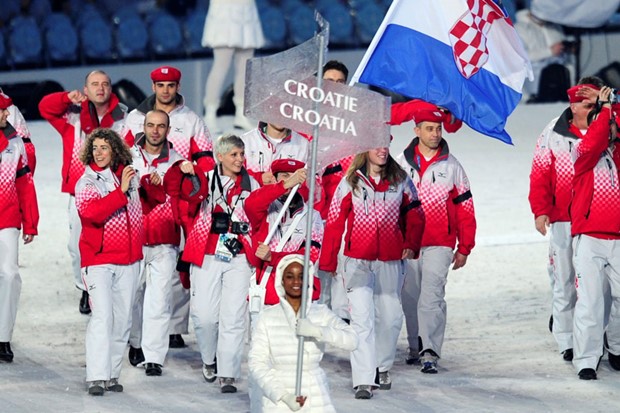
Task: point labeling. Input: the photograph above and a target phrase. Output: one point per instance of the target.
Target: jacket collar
(148, 104)
(410, 155)
(164, 156)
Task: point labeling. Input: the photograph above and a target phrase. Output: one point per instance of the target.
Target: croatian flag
(463, 55)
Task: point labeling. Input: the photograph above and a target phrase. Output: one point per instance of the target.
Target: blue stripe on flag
(482, 101)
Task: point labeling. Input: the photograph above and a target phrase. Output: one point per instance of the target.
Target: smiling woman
(111, 246)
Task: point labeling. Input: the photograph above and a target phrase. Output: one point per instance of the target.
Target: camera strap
(221, 199)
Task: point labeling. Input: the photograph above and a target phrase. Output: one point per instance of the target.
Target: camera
(613, 96)
(233, 245)
(220, 222)
(239, 227)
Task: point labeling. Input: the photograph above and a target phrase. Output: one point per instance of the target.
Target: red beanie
(166, 74)
(286, 165)
(5, 101)
(572, 92)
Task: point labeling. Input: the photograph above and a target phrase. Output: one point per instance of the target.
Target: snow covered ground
(498, 356)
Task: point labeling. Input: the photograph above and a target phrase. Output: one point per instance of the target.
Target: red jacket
(446, 199)
(551, 177)
(200, 240)
(74, 123)
(18, 199)
(262, 207)
(381, 221)
(159, 224)
(111, 219)
(595, 209)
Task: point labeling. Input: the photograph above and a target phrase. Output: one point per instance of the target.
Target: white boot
(241, 122)
(211, 119)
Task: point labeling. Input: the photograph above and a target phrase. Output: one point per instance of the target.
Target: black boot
(5, 352)
(176, 341)
(84, 304)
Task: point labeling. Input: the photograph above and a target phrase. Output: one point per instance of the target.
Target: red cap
(166, 74)
(572, 92)
(286, 165)
(5, 101)
(429, 115)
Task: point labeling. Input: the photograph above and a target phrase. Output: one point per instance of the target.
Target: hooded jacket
(272, 358)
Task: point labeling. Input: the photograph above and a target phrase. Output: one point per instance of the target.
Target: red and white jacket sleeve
(27, 197)
(95, 209)
(340, 209)
(201, 148)
(593, 144)
(465, 218)
(414, 218)
(541, 176)
(53, 108)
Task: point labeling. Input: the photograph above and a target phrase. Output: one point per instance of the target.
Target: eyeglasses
(588, 105)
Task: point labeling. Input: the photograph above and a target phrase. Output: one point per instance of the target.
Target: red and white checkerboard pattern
(468, 35)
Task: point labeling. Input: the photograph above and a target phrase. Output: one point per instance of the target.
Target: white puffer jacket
(273, 355)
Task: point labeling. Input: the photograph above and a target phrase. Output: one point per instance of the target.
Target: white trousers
(423, 297)
(333, 293)
(373, 289)
(222, 59)
(10, 282)
(111, 289)
(75, 229)
(179, 320)
(219, 311)
(562, 275)
(152, 306)
(596, 261)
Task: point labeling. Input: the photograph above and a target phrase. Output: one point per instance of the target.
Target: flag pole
(323, 38)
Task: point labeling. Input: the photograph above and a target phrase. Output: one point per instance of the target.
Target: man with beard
(152, 156)
(190, 138)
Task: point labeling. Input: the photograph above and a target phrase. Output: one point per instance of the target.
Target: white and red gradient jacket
(262, 208)
(200, 240)
(551, 177)
(111, 219)
(159, 224)
(18, 198)
(188, 134)
(595, 208)
(74, 123)
(381, 221)
(446, 199)
(19, 123)
(260, 152)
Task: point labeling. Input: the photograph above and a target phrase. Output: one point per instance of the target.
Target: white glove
(291, 401)
(306, 328)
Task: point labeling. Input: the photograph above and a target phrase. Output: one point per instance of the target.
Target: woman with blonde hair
(378, 204)
(110, 244)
